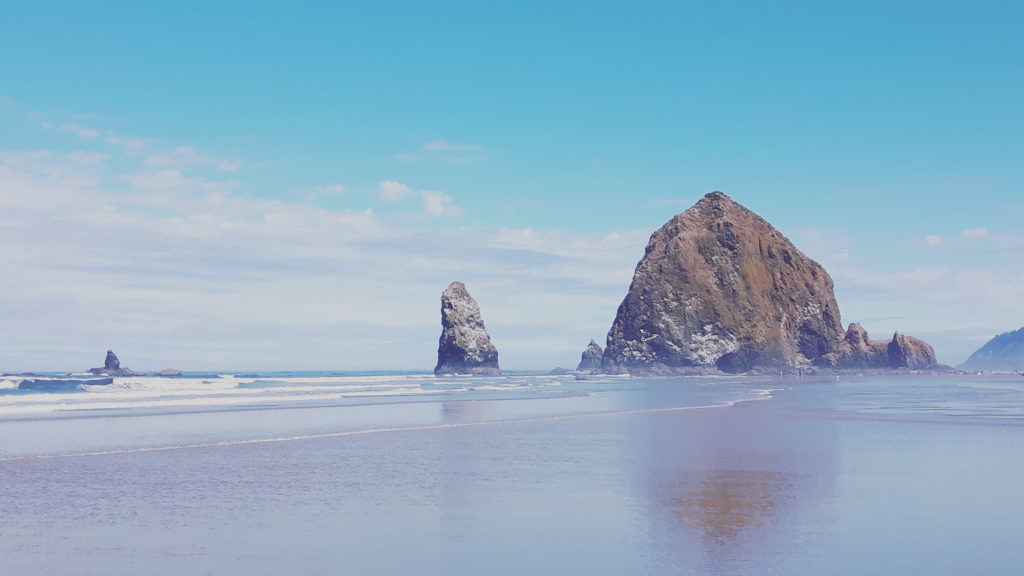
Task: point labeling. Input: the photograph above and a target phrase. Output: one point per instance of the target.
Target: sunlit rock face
(464, 346)
(859, 352)
(719, 288)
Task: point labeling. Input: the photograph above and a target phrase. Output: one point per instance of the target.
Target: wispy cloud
(444, 152)
(435, 202)
(170, 179)
(974, 233)
(129, 144)
(446, 146)
(933, 240)
(311, 194)
(183, 156)
(74, 128)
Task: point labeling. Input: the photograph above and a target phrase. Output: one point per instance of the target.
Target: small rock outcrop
(719, 288)
(464, 346)
(112, 367)
(591, 358)
(910, 352)
(859, 352)
(1005, 352)
(168, 373)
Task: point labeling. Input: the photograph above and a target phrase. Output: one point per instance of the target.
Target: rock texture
(464, 346)
(909, 352)
(900, 352)
(1005, 352)
(112, 367)
(591, 358)
(719, 287)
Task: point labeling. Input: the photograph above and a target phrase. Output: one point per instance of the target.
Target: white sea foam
(156, 393)
(762, 395)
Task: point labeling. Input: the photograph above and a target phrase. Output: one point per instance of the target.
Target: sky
(271, 185)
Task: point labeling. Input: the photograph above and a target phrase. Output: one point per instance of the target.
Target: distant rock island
(1005, 352)
(112, 367)
(590, 360)
(719, 288)
(464, 346)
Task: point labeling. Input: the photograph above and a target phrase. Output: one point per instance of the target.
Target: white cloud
(203, 277)
(174, 180)
(185, 156)
(130, 145)
(82, 131)
(311, 194)
(974, 233)
(933, 240)
(436, 203)
(391, 191)
(445, 146)
(444, 152)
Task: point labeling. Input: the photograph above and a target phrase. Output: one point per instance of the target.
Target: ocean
(526, 473)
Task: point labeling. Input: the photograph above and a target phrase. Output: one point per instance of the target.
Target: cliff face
(719, 287)
(1005, 352)
(464, 346)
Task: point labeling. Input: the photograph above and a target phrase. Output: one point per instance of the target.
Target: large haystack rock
(719, 287)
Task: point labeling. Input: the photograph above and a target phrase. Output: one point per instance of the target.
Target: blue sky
(272, 185)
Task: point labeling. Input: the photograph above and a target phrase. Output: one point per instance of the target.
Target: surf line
(763, 395)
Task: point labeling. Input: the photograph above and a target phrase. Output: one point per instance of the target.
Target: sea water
(405, 473)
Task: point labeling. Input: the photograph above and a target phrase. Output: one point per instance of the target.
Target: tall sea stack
(720, 287)
(464, 346)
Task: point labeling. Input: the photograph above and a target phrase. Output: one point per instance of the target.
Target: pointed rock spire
(464, 346)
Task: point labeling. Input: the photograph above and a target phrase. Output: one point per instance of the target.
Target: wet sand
(798, 484)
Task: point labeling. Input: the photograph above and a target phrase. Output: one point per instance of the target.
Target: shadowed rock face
(464, 346)
(591, 357)
(112, 367)
(719, 287)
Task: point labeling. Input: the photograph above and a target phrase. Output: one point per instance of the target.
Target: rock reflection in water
(726, 505)
(733, 491)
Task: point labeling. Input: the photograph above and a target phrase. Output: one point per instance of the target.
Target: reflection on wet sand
(725, 505)
(727, 486)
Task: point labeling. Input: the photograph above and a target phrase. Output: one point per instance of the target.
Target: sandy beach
(822, 477)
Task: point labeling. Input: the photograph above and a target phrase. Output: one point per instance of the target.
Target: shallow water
(512, 475)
